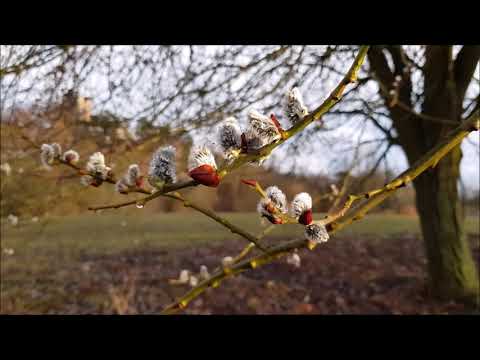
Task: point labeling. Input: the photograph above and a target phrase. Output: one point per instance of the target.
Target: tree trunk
(452, 271)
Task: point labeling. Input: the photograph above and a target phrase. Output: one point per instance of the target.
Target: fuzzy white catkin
(8, 251)
(201, 156)
(227, 261)
(184, 276)
(229, 134)
(47, 155)
(57, 150)
(6, 168)
(204, 274)
(162, 168)
(121, 186)
(294, 259)
(95, 160)
(316, 233)
(13, 219)
(86, 180)
(253, 140)
(277, 197)
(133, 173)
(294, 106)
(96, 165)
(193, 281)
(262, 207)
(262, 128)
(300, 203)
(71, 156)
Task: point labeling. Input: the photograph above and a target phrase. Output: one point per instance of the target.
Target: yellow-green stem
(430, 159)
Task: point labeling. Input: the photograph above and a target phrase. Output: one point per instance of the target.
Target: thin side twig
(232, 227)
(334, 97)
(430, 159)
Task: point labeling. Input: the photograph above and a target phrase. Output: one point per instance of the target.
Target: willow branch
(233, 228)
(110, 180)
(79, 170)
(394, 101)
(246, 250)
(222, 274)
(427, 161)
(334, 97)
(167, 188)
(142, 201)
(343, 190)
(345, 183)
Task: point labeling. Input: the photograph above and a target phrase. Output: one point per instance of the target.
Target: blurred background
(126, 101)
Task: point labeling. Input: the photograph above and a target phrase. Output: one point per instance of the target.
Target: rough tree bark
(452, 271)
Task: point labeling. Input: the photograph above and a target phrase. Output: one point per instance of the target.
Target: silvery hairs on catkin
(133, 173)
(71, 156)
(57, 150)
(201, 155)
(316, 233)
(46, 155)
(96, 165)
(229, 134)
(277, 197)
(262, 127)
(162, 166)
(294, 106)
(300, 203)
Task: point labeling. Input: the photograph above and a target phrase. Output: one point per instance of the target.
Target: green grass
(63, 239)
(48, 253)
(103, 233)
(389, 225)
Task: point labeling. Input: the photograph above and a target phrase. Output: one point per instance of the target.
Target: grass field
(107, 232)
(47, 253)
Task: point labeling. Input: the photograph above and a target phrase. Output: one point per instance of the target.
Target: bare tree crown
(238, 147)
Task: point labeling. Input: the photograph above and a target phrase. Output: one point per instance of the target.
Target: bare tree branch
(464, 67)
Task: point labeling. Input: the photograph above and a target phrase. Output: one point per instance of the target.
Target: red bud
(270, 208)
(139, 182)
(274, 220)
(276, 122)
(96, 182)
(306, 218)
(249, 182)
(205, 175)
(277, 221)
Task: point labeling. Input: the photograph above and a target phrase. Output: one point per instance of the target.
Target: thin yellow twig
(233, 228)
(425, 162)
(219, 275)
(242, 159)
